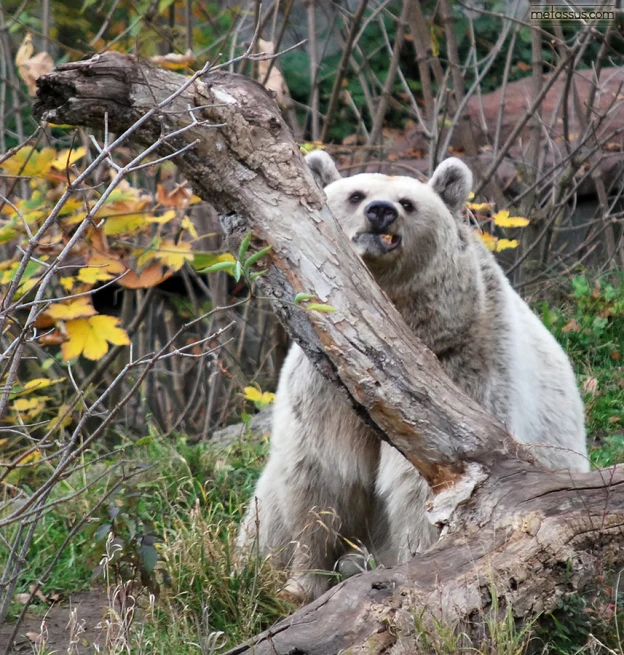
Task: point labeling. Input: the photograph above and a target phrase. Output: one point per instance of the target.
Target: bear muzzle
(376, 239)
(380, 214)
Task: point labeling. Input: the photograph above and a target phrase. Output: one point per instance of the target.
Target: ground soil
(91, 606)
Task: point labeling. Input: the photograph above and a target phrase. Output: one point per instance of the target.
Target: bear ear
(452, 181)
(322, 167)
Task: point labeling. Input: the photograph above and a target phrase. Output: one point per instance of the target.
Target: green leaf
(131, 526)
(221, 266)
(238, 271)
(302, 297)
(7, 233)
(244, 247)
(316, 307)
(163, 5)
(257, 274)
(102, 531)
(256, 257)
(149, 557)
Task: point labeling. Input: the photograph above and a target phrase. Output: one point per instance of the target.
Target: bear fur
(328, 477)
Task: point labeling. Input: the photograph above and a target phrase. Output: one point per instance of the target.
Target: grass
(187, 502)
(589, 324)
(499, 634)
(172, 525)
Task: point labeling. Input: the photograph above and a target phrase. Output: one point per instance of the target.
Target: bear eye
(356, 197)
(407, 205)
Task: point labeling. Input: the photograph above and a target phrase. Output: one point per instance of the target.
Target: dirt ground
(55, 638)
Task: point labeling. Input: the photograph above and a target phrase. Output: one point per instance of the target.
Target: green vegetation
(184, 504)
(590, 326)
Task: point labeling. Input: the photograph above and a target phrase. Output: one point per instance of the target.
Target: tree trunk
(509, 527)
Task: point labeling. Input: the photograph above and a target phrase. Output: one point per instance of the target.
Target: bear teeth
(387, 238)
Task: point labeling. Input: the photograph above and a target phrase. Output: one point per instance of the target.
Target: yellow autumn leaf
(115, 225)
(34, 215)
(172, 254)
(31, 458)
(480, 206)
(100, 269)
(253, 394)
(71, 205)
(92, 274)
(112, 265)
(35, 385)
(68, 283)
(67, 311)
(29, 162)
(9, 273)
(30, 407)
(309, 146)
(187, 225)
(7, 264)
(78, 217)
(67, 158)
(488, 240)
(90, 337)
(502, 219)
(24, 404)
(143, 255)
(268, 397)
(25, 287)
(7, 233)
(165, 218)
(506, 244)
(62, 419)
(258, 397)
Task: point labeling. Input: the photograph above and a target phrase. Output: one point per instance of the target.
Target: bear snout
(381, 214)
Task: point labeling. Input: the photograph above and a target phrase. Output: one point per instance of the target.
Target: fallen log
(510, 528)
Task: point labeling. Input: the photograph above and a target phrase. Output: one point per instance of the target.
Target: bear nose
(381, 214)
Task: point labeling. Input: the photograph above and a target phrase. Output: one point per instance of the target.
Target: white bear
(328, 478)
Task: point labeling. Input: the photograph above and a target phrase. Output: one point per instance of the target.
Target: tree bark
(510, 527)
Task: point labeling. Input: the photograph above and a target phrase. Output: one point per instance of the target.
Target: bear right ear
(322, 167)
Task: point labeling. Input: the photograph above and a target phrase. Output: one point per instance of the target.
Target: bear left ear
(452, 181)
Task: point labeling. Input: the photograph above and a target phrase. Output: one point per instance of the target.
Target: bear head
(396, 221)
